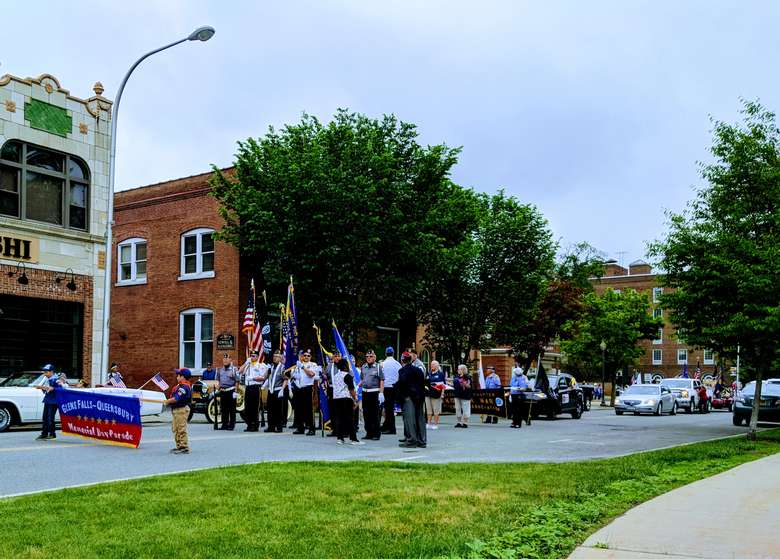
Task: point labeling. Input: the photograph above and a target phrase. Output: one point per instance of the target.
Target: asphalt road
(27, 465)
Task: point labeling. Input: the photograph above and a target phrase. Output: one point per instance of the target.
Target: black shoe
(311, 433)
(421, 445)
(465, 425)
(408, 445)
(298, 432)
(50, 437)
(403, 440)
(369, 438)
(269, 430)
(41, 437)
(458, 426)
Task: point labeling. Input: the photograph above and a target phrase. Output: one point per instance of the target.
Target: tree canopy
(722, 254)
(352, 209)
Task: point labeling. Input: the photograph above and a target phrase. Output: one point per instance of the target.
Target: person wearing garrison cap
(181, 395)
(372, 380)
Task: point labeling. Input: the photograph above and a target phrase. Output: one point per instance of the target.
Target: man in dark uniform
(327, 379)
(227, 376)
(181, 395)
(410, 391)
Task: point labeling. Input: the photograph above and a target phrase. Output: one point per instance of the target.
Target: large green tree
(722, 255)
(352, 209)
(620, 320)
(485, 289)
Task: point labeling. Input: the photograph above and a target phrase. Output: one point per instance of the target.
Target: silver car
(646, 398)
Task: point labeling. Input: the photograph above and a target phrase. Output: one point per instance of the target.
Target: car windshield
(674, 383)
(642, 390)
(766, 390)
(22, 379)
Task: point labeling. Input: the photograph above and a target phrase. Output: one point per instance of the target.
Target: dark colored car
(566, 397)
(769, 407)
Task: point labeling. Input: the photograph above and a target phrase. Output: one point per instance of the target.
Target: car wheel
(689, 409)
(657, 409)
(211, 410)
(736, 420)
(618, 412)
(709, 406)
(577, 413)
(674, 408)
(5, 418)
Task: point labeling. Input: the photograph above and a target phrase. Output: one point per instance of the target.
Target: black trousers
(228, 407)
(414, 421)
(275, 410)
(343, 416)
(252, 397)
(296, 424)
(284, 396)
(389, 424)
(517, 411)
(371, 414)
(304, 414)
(49, 411)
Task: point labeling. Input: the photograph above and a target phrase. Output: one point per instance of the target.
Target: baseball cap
(48, 367)
(186, 373)
(389, 350)
(406, 355)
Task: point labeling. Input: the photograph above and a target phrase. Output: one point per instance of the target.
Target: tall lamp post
(200, 34)
(603, 346)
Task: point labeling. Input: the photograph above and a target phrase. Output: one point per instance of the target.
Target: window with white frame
(681, 335)
(131, 262)
(196, 338)
(197, 254)
(657, 292)
(709, 357)
(658, 357)
(658, 313)
(659, 339)
(682, 356)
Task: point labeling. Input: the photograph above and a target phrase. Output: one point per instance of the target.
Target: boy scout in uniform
(180, 409)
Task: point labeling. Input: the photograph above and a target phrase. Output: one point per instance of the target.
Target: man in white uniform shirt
(276, 384)
(304, 376)
(390, 368)
(254, 374)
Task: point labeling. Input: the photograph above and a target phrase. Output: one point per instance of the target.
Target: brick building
(54, 153)
(666, 355)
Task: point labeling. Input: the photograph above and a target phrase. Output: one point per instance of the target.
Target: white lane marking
(407, 458)
(561, 441)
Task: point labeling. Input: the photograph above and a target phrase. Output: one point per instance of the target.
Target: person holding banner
(276, 384)
(181, 395)
(254, 373)
(49, 403)
(304, 375)
(372, 380)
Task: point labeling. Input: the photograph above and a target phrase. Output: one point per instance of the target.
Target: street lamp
(603, 346)
(200, 34)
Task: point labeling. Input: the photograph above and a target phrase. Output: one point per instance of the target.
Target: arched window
(196, 338)
(131, 262)
(40, 184)
(197, 254)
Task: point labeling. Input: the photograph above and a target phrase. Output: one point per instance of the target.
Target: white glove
(381, 398)
(235, 395)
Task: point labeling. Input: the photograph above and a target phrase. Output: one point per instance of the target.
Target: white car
(686, 390)
(646, 398)
(21, 402)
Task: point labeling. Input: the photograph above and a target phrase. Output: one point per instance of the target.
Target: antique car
(769, 406)
(22, 403)
(722, 400)
(563, 397)
(646, 398)
(204, 400)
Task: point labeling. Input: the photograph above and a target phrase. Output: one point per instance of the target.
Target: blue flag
(290, 330)
(342, 349)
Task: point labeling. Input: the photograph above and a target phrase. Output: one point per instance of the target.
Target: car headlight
(617, 400)
(684, 393)
(651, 402)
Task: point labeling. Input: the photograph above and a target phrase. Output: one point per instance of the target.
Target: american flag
(158, 380)
(249, 316)
(113, 381)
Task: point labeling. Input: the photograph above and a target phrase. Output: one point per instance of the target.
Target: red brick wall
(145, 318)
(42, 285)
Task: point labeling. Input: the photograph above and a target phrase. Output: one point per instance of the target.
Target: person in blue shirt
(517, 386)
(209, 373)
(181, 395)
(492, 380)
(49, 403)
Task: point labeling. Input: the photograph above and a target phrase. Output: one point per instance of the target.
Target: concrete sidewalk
(733, 515)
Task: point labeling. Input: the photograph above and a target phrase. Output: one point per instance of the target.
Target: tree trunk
(612, 395)
(753, 427)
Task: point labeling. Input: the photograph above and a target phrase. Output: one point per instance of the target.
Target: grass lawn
(358, 509)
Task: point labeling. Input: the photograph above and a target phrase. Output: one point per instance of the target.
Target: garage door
(34, 332)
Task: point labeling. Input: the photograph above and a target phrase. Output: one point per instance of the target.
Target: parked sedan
(646, 398)
(769, 407)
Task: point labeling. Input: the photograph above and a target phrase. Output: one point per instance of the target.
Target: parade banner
(99, 416)
(484, 401)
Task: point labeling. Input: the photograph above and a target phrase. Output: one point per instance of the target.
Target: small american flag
(249, 317)
(158, 380)
(113, 381)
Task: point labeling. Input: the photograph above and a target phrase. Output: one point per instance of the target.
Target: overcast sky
(596, 112)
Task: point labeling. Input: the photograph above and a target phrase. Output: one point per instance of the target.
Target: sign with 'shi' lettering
(22, 249)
